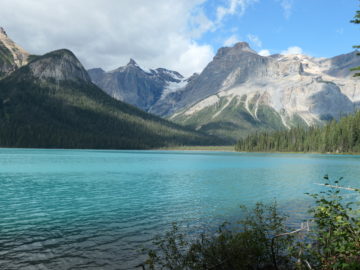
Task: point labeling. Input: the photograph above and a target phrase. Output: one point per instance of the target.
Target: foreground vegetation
(262, 240)
(341, 136)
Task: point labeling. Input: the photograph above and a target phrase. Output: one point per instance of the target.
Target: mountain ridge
(52, 103)
(241, 92)
(137, 86)
(238, 93)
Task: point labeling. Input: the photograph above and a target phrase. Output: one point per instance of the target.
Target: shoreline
(311, 153)
(229, 148)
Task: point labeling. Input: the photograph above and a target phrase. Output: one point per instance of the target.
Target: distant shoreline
(172, 148)
(230, 148)
(311, 153)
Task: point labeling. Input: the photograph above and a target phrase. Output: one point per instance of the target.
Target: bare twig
(304, 227)
(339, 187)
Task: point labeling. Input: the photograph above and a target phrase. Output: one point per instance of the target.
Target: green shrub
(248, 246)
(261, 240)
(336, 235)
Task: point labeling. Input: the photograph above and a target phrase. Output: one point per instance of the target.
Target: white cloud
(234, 7)
(292, 50)
(200, 24)
(287, 6)
(231, 41)
(264, 53)
(107, 33)
(255, 40)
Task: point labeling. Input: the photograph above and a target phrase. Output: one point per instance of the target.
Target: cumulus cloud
(255, 40)
(230, 41)
(107, 33)
(264, 53)
(292, 50)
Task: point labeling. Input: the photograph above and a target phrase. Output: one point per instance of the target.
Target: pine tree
(356, 20)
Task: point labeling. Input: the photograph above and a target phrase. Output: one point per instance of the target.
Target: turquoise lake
(87, 209)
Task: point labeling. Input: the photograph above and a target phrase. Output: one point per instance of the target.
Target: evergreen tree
(356, 20)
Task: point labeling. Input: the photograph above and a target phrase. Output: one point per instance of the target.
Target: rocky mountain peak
(19, 55)
(132, 62)
(2, 31)
(60, 65)
(237, 49)
(241, 45)
(138, 86)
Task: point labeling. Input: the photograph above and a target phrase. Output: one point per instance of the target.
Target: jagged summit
(138, 86)
(132, 62)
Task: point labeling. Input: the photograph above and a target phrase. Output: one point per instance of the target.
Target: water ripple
(73, 209)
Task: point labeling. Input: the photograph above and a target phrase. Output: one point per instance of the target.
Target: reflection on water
(62, 209)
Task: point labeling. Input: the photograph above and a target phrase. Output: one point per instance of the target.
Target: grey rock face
(132, 84)
(240, 59)
(249, 92)
(60, 65)
(339, 66)
(330, 103)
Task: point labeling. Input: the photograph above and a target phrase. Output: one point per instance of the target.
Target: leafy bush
(336, 235)
(249, 246)
(261, 240)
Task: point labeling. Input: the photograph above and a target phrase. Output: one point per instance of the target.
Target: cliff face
(136, 86)
(241, 92)
(61, 65)
(12, 56)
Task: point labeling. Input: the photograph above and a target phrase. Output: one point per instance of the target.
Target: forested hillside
(51, 103)
(335, 137)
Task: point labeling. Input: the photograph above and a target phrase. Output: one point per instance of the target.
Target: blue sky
(182, 35)
(320, 28)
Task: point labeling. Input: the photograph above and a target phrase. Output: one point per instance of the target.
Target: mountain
(241, 92)
(52, 103)
(136, 86)
(12, 56)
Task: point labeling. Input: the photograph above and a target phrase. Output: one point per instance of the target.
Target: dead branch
(339, 187)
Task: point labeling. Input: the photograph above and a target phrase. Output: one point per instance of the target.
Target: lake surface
(84, 209)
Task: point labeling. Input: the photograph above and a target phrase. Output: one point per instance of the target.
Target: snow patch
(173, 74)
(172, 87)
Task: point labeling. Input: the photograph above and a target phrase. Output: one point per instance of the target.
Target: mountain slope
(51, 102)
(133, 85)
(241, 92)
(12, 56)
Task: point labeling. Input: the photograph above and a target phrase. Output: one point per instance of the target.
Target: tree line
(341, 136)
